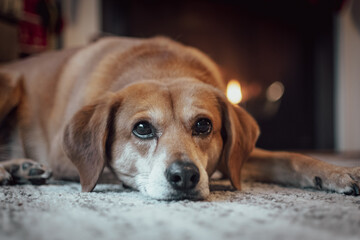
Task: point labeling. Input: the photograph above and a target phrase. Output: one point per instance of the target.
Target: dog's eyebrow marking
(110, 126)
(172, 107)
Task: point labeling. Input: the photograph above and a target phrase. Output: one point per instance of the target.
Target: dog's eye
(144, 130)
(202, 127)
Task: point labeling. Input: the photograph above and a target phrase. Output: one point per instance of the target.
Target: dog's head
(162, 139)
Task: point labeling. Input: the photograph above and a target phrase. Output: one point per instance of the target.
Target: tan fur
(75, 111)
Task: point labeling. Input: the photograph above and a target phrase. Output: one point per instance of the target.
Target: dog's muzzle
(182, 176)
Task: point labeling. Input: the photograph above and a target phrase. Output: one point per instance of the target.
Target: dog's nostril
(194, 178)
(175, 178)
(182, 175)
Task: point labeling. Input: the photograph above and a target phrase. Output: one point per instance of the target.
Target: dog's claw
(6, 181)
(5, 178)
(356, 189)
(318, 183)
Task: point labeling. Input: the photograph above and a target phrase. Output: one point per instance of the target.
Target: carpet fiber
(260, 211)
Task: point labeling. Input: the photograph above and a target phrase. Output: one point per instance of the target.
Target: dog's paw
(342, 180)
(28, 171)
(5, 177)
(354, 174)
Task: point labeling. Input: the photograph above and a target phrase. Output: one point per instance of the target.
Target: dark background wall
(257, 42)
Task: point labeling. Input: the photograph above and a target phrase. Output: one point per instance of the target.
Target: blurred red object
(41, 20)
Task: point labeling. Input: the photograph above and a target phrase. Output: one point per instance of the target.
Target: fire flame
(233, 92)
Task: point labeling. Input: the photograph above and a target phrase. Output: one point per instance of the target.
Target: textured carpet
(260, 211)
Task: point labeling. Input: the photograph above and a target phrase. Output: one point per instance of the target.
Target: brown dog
(152, 111)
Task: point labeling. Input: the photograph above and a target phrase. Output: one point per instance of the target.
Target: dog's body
(153, 111)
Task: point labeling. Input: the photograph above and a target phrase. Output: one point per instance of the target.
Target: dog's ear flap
(239, 132)
(88, 137)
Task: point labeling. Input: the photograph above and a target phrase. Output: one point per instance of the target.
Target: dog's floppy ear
(88, 138)
(239, 132)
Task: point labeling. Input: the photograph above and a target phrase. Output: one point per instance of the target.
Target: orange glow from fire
(233, 92)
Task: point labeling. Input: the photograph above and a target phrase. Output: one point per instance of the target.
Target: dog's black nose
(182, 175)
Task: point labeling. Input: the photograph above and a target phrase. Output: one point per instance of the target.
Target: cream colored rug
(261, 211)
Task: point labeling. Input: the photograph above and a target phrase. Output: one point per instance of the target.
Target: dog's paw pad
(26, 170)
(36, 172)
(26, 165)
(13, 168)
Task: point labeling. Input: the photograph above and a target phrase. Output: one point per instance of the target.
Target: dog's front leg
(298, 170)
(10, 93)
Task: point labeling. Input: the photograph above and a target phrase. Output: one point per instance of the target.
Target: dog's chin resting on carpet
(153, 111)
